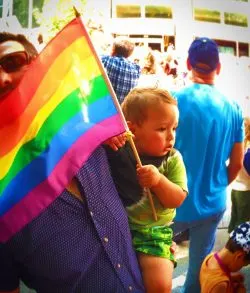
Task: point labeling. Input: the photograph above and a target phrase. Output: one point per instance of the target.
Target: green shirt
(140, 213)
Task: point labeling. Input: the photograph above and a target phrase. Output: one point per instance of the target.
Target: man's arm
(235, 161)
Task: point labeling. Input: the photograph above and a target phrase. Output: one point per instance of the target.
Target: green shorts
(154, 241)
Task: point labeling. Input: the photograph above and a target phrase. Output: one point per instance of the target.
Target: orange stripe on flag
(51, 82)
(29, 84)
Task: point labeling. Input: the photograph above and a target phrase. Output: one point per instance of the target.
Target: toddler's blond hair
(137, 102)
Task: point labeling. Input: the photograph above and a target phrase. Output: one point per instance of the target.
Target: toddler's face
(156, 135)
(240, 261)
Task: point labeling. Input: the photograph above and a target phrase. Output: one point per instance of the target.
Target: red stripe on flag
(46, 192)
(11, 107)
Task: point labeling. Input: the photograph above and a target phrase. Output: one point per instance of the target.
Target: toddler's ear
(239, 255)
(131, 126)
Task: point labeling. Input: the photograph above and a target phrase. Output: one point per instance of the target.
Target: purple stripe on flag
(45, 193)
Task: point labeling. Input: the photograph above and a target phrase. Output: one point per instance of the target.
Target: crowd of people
(99, 234)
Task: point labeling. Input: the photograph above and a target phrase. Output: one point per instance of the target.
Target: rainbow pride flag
(50, 124)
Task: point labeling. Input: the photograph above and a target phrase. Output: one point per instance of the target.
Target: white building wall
(183, 25)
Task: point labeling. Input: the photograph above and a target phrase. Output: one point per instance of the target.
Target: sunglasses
(14, 61)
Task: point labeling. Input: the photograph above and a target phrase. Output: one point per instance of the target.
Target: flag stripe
(99, 90)
(34, 173)
(66, 80)
(27, 89)
(45, 193)
(37, 145)
(47, 138)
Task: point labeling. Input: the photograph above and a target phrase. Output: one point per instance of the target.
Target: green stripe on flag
(67, 109)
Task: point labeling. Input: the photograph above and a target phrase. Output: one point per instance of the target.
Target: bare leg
(157, 273)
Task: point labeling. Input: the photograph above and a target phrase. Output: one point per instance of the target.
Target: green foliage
(55, 15)
(37, 6)
(21, 10)
(1, 8)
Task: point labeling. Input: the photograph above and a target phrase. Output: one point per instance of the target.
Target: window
(128, 11)
(152, 11)
(21, 10)
(243, 49)
(155, 46)
(1, 8)
(228, 47)
(227, 50)
(236, 19)
(207, 15)
(37, 5)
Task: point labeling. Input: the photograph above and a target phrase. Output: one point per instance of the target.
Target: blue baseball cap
(203, 55)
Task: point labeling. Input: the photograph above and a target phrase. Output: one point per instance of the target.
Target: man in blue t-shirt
(210, 139)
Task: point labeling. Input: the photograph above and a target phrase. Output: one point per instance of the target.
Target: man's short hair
(28, 46)
(123, 47)
(203, 55)
(139, 100)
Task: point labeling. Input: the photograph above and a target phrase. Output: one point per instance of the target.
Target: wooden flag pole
(138, 160)
(118, 107)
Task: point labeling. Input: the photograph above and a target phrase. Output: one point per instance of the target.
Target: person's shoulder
(174, 153)
(220, 287)
(232, 105)
(114, 60)
(173, 157)
(235, 105)
(132, 65)
(232, 102)
(123, 152)
(105, 57)
(182, 92)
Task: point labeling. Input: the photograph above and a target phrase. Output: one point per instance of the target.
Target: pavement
(182, 256)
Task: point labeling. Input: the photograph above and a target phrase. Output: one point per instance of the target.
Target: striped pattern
(60, 112)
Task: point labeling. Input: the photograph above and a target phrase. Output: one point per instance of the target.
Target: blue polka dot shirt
(76, 246)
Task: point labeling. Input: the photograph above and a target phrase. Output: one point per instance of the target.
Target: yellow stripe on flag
(69, 83)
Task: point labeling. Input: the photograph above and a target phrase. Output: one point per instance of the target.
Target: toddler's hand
(240, 288)
(148, 175)
(238, 282)
(237, 277)
(116, 142)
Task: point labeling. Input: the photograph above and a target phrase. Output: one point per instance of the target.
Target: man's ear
(218, 68)
(189, 67)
